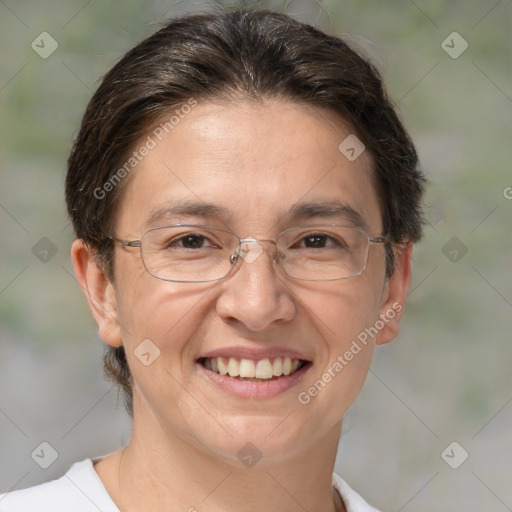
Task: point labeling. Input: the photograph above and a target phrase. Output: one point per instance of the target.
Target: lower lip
(251, 389)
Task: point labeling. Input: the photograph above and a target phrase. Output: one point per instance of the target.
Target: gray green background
(447, 376)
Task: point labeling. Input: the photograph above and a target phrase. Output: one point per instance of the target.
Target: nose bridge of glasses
(250, 249)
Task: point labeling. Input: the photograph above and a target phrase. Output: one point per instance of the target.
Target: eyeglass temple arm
(380, 239)
(125, 243)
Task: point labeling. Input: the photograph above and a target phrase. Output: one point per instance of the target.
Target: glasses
(186, 253)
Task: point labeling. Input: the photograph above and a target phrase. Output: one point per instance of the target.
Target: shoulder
(80, 490)
(353, 502)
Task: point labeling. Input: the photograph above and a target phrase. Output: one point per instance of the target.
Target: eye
(190, 241)
(318, 241)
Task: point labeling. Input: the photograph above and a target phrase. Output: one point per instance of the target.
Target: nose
(254, 295)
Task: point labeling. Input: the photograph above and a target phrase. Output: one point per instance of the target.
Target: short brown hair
(251, 53)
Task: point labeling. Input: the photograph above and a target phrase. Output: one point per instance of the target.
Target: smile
(254, 373)
(255, 370)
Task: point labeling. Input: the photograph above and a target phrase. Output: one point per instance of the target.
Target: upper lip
(254, 353)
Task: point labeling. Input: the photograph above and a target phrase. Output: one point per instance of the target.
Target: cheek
(343, 318)
(159, 318)
(160, 311)
(149, 307)
(344, 315)
(342, 310)
(349, 341)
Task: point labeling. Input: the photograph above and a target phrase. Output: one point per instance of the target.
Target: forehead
(252, 166)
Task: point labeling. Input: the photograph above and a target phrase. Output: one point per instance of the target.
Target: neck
(158, 471)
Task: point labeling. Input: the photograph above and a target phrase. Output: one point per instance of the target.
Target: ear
(395, 293)
(99, 292)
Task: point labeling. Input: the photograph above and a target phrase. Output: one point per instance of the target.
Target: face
(257, 170)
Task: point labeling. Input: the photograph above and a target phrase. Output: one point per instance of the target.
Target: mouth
(251, 370)
(253, 374)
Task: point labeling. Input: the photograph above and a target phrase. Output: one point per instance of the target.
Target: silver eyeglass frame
(235, 257)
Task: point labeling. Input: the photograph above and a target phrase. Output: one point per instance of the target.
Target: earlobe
(395, 295)
(99, 291)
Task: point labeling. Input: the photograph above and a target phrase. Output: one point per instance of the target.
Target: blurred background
(431, 430)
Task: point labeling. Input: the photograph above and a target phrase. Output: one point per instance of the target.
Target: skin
(256, 160)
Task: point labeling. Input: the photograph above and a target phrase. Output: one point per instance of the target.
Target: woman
(245, 201)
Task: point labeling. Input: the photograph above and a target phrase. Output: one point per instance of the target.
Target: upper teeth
(247, 368)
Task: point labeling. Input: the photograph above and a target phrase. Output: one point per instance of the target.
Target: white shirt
(81, 490)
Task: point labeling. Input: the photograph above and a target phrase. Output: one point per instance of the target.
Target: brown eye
(189, 241)
(318, 241)
(315, 241)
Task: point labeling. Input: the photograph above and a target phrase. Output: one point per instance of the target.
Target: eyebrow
(187, 208)
(300, 211)
(327, 209)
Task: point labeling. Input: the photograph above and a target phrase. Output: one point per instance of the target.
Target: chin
(267, 439)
